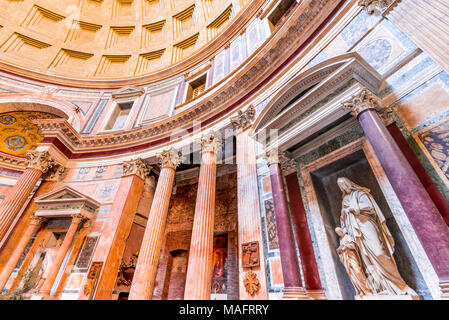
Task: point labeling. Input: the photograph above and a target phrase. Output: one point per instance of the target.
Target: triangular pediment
(67, 194)
(127, 92)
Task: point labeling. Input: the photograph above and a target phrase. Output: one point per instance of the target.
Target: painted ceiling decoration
(18, 134)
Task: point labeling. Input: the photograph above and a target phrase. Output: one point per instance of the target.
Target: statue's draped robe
(363, 220)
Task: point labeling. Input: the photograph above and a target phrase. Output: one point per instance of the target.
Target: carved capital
(40, 160)
(288, 165)
(55, 173)
(386, 115)
(37, 221)
(78, 218)
(360, 102)
(137, 167)
(170, 158)
(274, 156)
(244, 119)
(376, 7)
(210, 142)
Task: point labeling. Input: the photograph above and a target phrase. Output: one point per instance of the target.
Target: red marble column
(199, 269)
(301, 228)
(145, 275)
(249, 217)
(38, 164)
(425, 218)
(293, 287)
(62, 251)
(15, 257)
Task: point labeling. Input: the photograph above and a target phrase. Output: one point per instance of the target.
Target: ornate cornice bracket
(40, 160)
(244, 119)
(137, 167)
(170, 158)
(274, 156)
(362, 101)
(288, 165)
(55, 172)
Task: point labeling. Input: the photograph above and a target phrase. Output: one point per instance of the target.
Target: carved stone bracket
(55, 173)
(137, 167)
(40, 160)
(251, 283)
(376, 7)
(361, 102)
(36, 220)
(170, 158)
(244, 119)
(210, 142)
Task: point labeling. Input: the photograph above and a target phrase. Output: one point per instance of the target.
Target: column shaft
(62, 251)
(145, 275)
(199, 270)
(421, 211)
(289, 260)
(14, 259)
(16, 198)
(308, 260)
(249, 218)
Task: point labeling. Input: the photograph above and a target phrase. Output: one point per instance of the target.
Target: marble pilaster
(145, 274)
(199, 269)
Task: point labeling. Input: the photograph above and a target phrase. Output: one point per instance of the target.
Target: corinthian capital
(210, 142)
(288, 165)
(55, 173)
(376, 7)
(170, 158)
(360, 102)
(137, 167)
(244, 119)
(274, 156)
(40, 160)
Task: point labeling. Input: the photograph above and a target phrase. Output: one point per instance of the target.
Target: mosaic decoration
(86, 253)
(18, 134)
(273, 241)
(436, 142)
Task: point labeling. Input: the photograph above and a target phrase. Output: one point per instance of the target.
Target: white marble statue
(366, 242)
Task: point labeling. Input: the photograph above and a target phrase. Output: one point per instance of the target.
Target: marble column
(425, 218)
(302, 232)
(145, 274)
(293, 288)
(33, 227)
(112, 242)
(249, 217)
(424, 21)
(38, 164)
(199, 269)
(62, 252)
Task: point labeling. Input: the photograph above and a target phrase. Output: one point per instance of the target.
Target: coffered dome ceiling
(109, 38)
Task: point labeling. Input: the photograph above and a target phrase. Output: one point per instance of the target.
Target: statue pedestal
(295, 294)
(387, 297)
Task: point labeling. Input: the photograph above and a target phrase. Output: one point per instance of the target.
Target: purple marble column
(293, 287)
(425, 218)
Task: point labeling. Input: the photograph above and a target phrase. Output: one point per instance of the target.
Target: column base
(316, 294)
(295, 294)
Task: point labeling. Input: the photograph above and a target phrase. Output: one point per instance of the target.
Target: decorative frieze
(137, 167)
(210, 142)
(360, 102)
(170, 158)
(376, 7)
(40, 160)
(244, 119)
